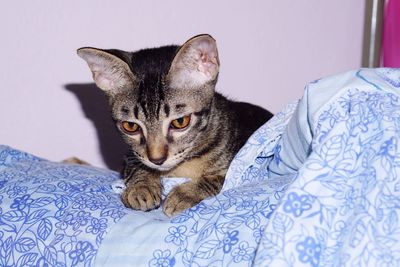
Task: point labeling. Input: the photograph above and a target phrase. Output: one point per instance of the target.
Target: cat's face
(160, 97)
(161, 130)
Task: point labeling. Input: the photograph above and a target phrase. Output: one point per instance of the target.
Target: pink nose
(157, 153)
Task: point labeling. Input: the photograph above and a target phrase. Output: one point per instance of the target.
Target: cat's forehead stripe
(166, 110)
(136, 112)
(160, 95)
(180, 107)
(144, 110)
(125, 110)
(150, 95)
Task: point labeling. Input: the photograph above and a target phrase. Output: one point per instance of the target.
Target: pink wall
(268, 51)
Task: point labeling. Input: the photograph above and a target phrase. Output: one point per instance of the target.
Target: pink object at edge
(391, 34)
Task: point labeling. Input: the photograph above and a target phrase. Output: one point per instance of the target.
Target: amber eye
(180, 123)
(130, 127)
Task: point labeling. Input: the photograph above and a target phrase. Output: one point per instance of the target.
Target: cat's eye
(130, 127)
(180, 123)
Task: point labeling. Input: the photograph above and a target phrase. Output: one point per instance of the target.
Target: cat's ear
(196, 63)
(110, 73)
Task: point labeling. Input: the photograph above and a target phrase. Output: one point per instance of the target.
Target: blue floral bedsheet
(342, 208)
(315, 186)
(53, 214)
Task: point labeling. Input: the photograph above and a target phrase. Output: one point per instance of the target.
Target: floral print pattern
(309, 251)
(297, 204)
(342, 207)
(336, 206)
(53, 214)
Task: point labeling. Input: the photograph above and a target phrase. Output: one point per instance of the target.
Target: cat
(164, 103)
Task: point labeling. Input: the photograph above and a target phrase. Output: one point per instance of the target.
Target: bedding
(317, 185)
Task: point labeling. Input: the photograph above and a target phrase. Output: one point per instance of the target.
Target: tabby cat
(163, 102)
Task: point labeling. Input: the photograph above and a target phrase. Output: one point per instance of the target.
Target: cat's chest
(193, 168)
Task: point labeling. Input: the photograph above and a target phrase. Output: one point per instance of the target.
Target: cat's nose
(158, 161)
(157, 151)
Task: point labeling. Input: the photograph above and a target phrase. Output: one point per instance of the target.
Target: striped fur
(157, 86)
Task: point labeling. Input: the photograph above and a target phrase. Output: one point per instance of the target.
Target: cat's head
(160, 97)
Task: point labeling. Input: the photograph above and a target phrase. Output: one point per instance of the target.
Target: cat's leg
(143, 191)
(189, 194)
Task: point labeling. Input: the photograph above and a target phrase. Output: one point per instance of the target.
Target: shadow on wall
(94, 105)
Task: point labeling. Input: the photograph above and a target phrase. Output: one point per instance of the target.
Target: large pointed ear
(196, 63)
(110, 73)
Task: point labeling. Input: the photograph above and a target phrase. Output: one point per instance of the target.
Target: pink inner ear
(101, 80)
(207, 59)
(195, 64)
(207, 65)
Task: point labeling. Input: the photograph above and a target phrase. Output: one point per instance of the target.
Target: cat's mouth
(166, 166)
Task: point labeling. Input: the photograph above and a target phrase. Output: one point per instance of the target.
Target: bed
(317, 185)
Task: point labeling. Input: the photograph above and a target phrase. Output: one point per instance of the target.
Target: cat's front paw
(180, 199)
(142, 197)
